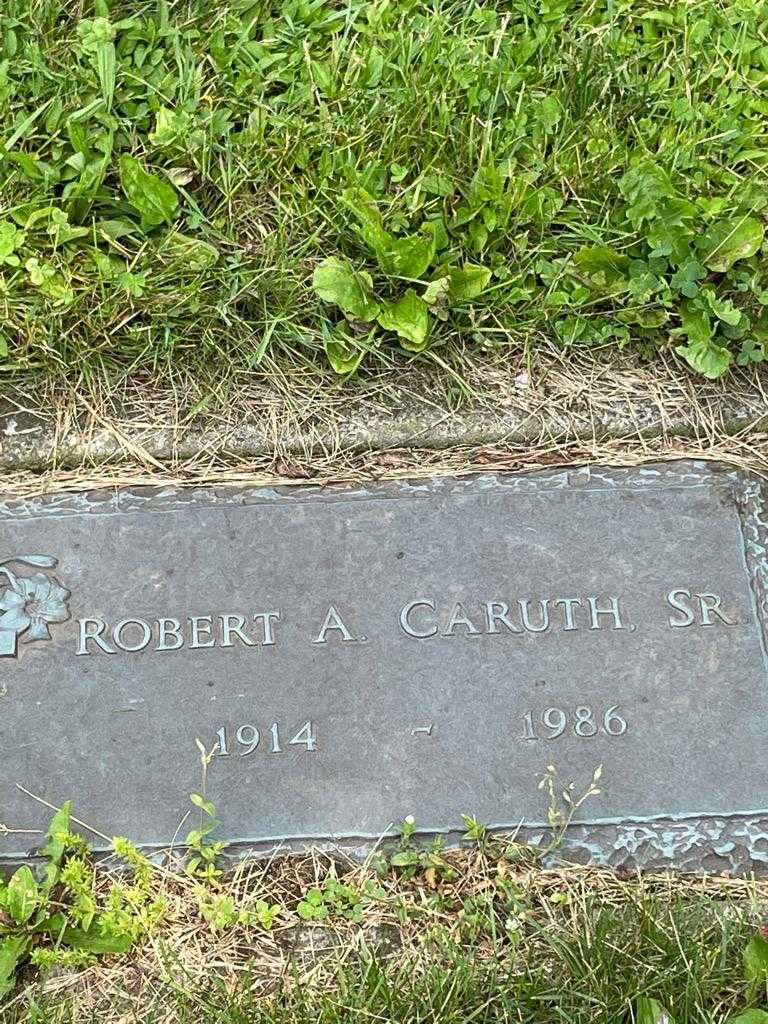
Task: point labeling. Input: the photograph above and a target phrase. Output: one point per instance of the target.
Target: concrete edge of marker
(34, 442)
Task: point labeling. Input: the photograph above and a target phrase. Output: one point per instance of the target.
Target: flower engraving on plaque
(29, 604)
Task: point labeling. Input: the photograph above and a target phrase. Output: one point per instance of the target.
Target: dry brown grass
(271, 429)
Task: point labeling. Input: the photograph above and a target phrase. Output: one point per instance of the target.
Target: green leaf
(730, 240)
(398, 257)
(408, 318)
(12, 949)
(407, 257)
(752, 351)
(601, 262)
(205, 805)
(193, 255)
(53, 925)
(336, 281)
(468, 282)
(438, 185)
(343, 354)
(696, 323)
(98, 39)
(750, 1017)
(54, 848)
(313, 907)
(723, 309)
(22, 896)
(706, 357)
(94, 942)
(154, 199)
(371, 227)
(756, 959)
(437, 292)
(11, 238)
(114, 229)
(671, 235)
(58, 828)
(405, 859)
(105, 64)
(374, 65)
(170, 126)
(645, 186)
(651, 1011)
(548, 113)
(197, 835)
(686, 278)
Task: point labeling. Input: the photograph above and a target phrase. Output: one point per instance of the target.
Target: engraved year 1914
(244, 739)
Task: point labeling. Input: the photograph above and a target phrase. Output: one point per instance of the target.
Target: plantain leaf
(77, 938)
(408, 318)
(468, 282)
(343, 353)
(756, 959)
(730, 240)
(335, 280)
(407, 257)
(651, 1011)
(55, 847)
(602, 263)
(154, 199)
(22, 896)
(12, 949)
(371, 225)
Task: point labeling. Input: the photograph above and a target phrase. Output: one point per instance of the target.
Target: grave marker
(356, 655)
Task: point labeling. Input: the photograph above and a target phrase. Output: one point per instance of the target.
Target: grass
(307, 186)
(482, 939)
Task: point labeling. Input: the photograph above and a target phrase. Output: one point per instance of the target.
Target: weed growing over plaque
(56, 920)
(228, 187)
(411, 858)
(204, 853)
(563, 803)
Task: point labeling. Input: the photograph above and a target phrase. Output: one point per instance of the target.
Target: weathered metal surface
(427, 648)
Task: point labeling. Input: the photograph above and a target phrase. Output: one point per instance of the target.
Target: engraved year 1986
(581, 721)
(244, 739)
